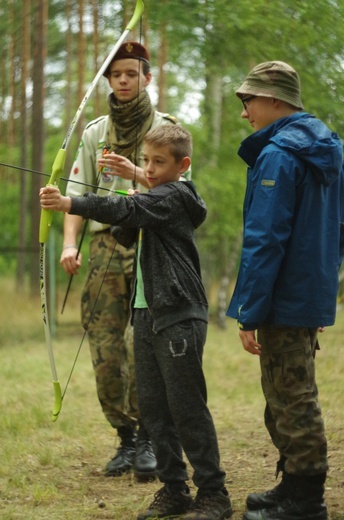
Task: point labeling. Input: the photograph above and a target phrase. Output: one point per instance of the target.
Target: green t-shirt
(140, 300)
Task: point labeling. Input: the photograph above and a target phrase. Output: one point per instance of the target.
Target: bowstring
(37, 172)
(115, 244)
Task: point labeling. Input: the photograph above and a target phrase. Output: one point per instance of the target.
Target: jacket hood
(193, 203)
(307, 138)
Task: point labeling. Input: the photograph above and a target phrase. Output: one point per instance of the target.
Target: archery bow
(47, 215)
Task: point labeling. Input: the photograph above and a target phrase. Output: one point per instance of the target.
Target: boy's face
(160, 166)
(127, 79)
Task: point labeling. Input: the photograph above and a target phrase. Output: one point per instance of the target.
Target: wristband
(69, 246)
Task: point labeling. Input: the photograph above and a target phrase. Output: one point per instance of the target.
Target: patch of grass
(54, 470)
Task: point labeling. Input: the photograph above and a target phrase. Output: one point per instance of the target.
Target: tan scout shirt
(85, 167)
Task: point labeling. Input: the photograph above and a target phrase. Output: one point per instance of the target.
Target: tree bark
(39, 57)
(11, 52)
(95, 41)
(69, 79)
(81, 63)
(23, 200)
(162, 60)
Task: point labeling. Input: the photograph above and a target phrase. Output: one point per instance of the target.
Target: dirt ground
(250, 466)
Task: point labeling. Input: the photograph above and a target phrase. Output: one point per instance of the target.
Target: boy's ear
(185, 164)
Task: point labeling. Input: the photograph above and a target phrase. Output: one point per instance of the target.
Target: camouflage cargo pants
(293, 414)
(105, 315)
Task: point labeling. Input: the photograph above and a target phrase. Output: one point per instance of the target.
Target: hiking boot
(303, 500)
(123, 460)
(145, 461)
(168, 503)
(210, 505)
(268, 499)
(290, 510)
(273, 497)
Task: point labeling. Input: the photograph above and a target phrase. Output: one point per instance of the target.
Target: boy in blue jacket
(169, 315)
(288, 278)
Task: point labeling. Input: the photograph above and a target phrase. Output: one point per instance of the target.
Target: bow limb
(47, 215)
(44, 227)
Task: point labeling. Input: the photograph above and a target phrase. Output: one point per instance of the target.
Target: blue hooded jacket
(293, 237)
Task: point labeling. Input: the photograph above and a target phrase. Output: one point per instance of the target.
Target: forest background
(200, 52)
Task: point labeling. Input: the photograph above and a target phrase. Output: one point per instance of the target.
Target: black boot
(305, 501)
(123, 460)
(145, 461)
(273, 497)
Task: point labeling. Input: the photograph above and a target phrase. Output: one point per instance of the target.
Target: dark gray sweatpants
(172, 399)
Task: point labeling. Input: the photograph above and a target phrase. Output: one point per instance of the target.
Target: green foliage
(212, 44)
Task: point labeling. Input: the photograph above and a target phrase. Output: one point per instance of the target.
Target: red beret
(132, 50)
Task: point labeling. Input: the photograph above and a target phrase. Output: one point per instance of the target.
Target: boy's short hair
(177, 138)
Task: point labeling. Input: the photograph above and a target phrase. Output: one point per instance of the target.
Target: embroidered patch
(178, 349)
(266, 182)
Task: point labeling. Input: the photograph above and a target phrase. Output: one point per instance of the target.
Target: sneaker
(210, 505)
(290, 510)
(167, 504)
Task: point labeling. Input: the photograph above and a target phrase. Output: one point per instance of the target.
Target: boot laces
(164, 497)
(205, 502)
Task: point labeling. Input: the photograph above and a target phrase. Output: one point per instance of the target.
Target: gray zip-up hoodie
(168, 216)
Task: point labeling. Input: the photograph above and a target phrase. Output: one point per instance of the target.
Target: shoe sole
(144, 476)
(117, 473)
(226, 514)
(312, 516)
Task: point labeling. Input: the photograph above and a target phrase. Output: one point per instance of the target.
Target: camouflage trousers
(293, 414)
(105, 309)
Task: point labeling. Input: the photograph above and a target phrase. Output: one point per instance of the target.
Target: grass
(54, 470)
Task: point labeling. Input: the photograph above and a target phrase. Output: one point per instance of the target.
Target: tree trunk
(23, 203)
(69, 78)
(95, 42)
(81, 64)
(11, 52)
(213, 111)
(39, 56)
(223, 296)
(162, 59)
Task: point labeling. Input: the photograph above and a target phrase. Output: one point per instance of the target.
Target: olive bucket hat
(273, 79)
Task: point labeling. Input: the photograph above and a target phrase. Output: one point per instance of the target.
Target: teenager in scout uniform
(105, 312)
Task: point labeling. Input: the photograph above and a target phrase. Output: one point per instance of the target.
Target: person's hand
(117, 165)
(248, 340)
(132, 192)
(51, 198)
(322, 329)
(69, 261)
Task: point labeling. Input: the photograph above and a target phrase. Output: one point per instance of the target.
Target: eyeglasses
(247, 100)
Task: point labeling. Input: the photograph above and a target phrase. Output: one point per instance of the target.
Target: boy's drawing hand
(51, 198)
(132, 192)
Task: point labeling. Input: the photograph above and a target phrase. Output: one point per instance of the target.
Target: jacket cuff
(247, 326)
